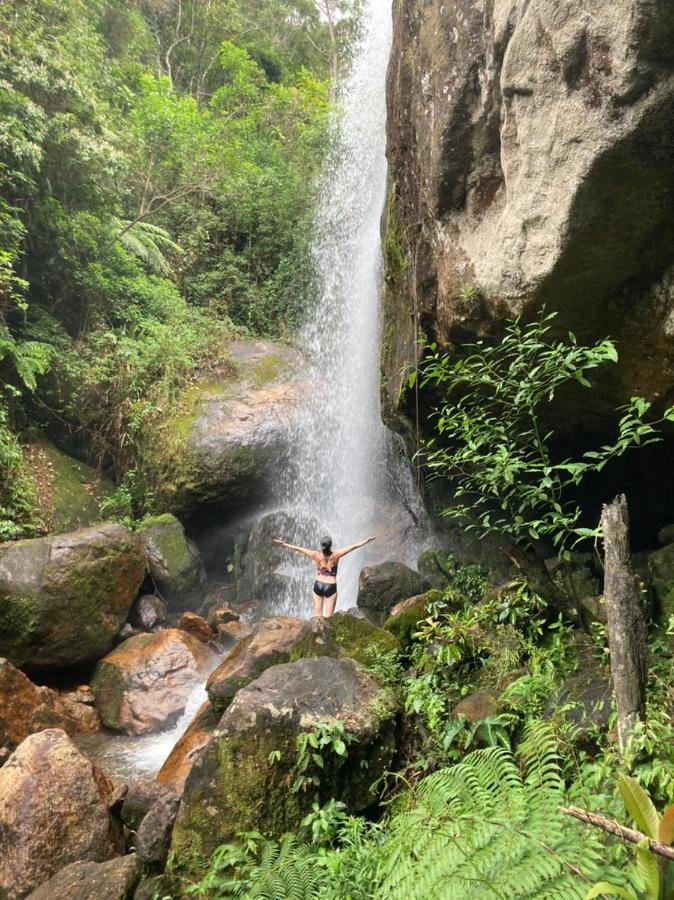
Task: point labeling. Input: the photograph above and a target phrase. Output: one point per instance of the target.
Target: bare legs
(330, 603)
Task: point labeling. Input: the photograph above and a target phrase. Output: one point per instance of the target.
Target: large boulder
(53, 811)
(112, 880)
(144, 683)
(68, 492)
(661, 568)
(26, 708)
(381, 587)
(174, 563)
(153, 838)
(264, 571)
(64, 598)
(270, 644)
(235, 787)
(231, 432)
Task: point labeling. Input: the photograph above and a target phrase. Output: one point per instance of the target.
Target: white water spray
(342, 477)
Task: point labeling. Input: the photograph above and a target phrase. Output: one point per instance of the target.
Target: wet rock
(197, 626)
(53, 811)
(233, 787)
(478, 706)
(180, 760)
(229, 634)
(262, 570)
(666, 535)
(148, 611)
(432, 564)
(141, 795)
(269, 645)
(26, 708)
(112, 880)
(343, 635)
(174, 562)
(661, 568)
(144, 683)
(231, 432)
(222, 615)
(381, 587)
(126, 631)
(64, 598)
(153, 837)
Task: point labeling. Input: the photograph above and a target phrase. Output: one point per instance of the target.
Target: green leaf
(666, 826)
(611, 890)
(647, 867)
(339, 747)
(639, 805)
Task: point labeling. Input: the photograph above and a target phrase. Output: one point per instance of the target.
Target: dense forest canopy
(158, 163)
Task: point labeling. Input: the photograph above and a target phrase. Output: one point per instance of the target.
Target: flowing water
(343, 476)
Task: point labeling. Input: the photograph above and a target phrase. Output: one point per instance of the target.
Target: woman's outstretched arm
(310, 553)
(340, 553)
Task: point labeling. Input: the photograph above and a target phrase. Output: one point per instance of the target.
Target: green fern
(150, 243)
(483, 829)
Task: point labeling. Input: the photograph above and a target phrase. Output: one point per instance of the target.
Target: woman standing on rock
(326, 559)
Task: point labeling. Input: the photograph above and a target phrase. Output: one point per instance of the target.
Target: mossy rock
(234, 787)
(68, 491)
(64, 598)
(344, 635)
(174, 563)
(382, 586)
(405, 617)
(226, 436)
(661, 568)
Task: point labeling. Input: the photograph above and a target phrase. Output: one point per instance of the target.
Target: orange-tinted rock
(53, 812)
(230, 633)
(143, 685)
(26, 708)
(220, 615)
(477, 706)
(197, 626)
(269, 645)
(181, 759)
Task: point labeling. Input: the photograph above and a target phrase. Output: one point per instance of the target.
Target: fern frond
(150, 243)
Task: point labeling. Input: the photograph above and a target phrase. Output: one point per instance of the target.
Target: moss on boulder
(382, 586)
(64, 598)
(69, 492)
(234, 787)
(661, 568)
(174, 563)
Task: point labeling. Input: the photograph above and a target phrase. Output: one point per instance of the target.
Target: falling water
(342, 478)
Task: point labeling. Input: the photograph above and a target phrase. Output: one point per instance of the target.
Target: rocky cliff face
(531, 149)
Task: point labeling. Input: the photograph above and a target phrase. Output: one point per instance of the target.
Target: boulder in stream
(53, 811)
(148, 612)
(144, 683)
(382, 586)
(180, 760)
(153, 838)
(234, 787)
(64, 598)
(174, 562)
(112, 880)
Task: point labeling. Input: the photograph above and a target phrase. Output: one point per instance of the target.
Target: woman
(325, 586)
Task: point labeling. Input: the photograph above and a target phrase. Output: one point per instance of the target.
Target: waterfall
(340, 480)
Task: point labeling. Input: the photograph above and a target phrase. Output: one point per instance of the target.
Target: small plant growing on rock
(325, 740)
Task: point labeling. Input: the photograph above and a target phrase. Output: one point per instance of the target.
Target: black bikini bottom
(323, 589)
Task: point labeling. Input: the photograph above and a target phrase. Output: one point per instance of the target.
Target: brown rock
(53, 811)
(181, 759)
(197, 626)
(148, 611)
(144, 683)
(477, 706)
(268, 646)
(230, 633)
(153, 838)
(26, 708)
(140, 797)
(112, 880)
(220, 615)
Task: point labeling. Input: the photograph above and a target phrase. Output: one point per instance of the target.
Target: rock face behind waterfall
(233, 787)
(64, 598)
(143, 685)
(53, 811)
(231, 432)
(531, 150)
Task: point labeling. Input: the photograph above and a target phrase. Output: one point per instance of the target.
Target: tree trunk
(626, 620)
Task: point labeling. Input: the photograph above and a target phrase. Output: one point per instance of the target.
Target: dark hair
(326, 545)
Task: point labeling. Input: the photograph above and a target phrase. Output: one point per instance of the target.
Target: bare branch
(621, 831)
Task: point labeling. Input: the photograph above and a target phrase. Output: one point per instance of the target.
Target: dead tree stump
(626, 620)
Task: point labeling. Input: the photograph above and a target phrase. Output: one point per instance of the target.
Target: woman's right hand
(277, 541)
